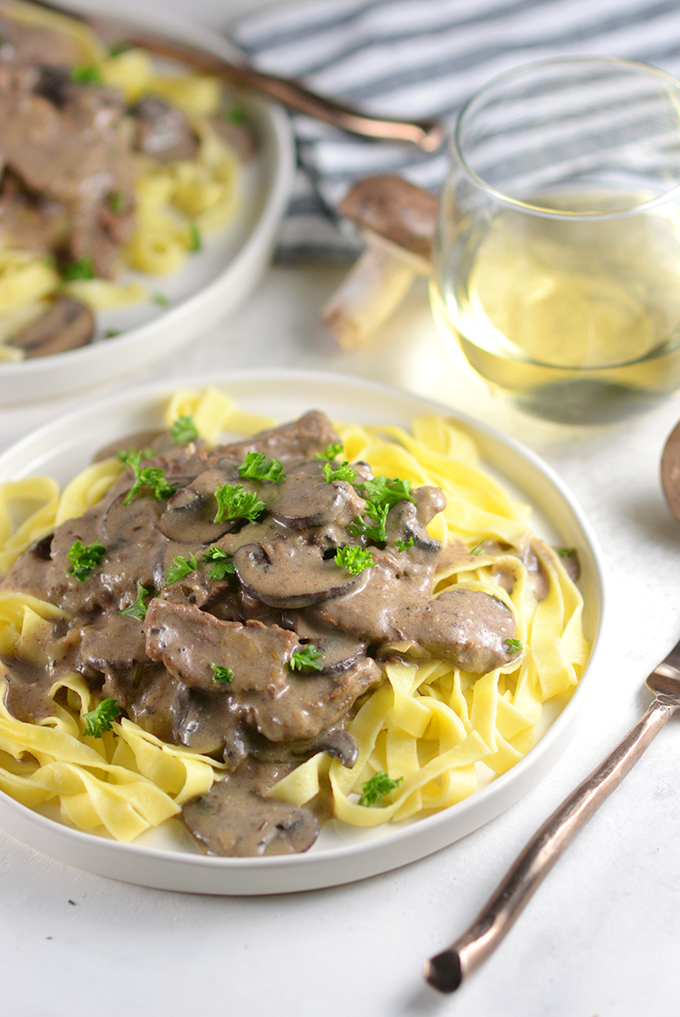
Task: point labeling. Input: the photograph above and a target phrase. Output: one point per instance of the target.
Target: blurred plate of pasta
(143, 210)
(506, 734)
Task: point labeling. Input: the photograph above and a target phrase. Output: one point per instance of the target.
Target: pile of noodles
(428, 726)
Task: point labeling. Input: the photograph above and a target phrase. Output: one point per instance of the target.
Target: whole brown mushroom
(397, 220)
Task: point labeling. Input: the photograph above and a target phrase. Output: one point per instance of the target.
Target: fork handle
(447, 970)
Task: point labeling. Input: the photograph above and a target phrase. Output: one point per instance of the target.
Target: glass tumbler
(557, 254)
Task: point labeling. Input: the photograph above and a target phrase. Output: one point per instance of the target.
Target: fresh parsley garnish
(223, 566)
(79, 269)
(354, 559)
(383, 491)
(184, 430)
(403, 545)
(566, 552)
(139, 608)
(478, 548)
(149, 476)
(222, 675)
(377, 788)
(101, 719)
(236, 503)
(111, 333)
(514, 645)
(116, 201)
(256, 466)
(330, 451)
(306, 659)
(196, 239)
(234, 114)
(374, 531)
(87, 74)
(342, 472)
(118, 47)
(180, 568)
(83, 558)
(161, 299)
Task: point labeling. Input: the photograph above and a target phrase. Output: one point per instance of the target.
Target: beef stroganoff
(314, 622)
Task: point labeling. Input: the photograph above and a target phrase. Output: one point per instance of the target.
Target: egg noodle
(428, 726)
(175, 202)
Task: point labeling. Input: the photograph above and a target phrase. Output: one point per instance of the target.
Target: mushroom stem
(374, 288)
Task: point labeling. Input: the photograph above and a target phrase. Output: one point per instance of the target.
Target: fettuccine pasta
(434, 730)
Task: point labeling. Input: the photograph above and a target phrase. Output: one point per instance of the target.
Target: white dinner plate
(211, 283)
(167, 857)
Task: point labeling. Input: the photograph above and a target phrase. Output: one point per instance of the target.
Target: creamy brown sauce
(286, 593)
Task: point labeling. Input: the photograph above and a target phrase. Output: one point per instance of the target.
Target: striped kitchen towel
(416, 59)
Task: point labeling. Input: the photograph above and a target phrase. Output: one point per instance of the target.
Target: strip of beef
(295, 442)
(266, 693)
(30, 45)
(66, 325)
(235, 818)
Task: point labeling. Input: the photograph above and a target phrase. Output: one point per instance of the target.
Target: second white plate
(212, 282)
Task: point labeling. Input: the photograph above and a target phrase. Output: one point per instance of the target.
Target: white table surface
(598, 940)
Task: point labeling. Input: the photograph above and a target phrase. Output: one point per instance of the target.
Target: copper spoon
(447, 970)
(426, 134)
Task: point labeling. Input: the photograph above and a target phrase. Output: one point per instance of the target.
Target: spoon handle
(447, 970)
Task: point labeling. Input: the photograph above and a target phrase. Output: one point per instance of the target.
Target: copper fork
(448, 969)
(426, 134)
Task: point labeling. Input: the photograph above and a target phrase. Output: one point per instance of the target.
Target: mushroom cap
(395, 209)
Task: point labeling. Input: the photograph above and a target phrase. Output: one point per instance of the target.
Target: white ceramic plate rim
(309, 382)
(271, 213)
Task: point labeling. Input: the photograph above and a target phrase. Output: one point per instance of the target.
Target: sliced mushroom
(305, 501)
(286, 575)
(336, 742)
(403, 524)
(340, 650)
(190, 513)
(397, 220)
(67, 325)
(125, 525)
(163, 131)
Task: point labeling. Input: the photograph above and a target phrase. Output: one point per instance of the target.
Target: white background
(600, 939)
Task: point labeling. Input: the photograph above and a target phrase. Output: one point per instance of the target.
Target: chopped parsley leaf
(196, 239)
(101, 719)
(383, 491)
(306, 659)
(184, 430)
(180, 568)
(566, 552)
(116, 201)
(377, 788)
(161, 299)
(87, 74)
(354, 559)
(149, 476)
(222, 675)
(403, 545)
(111, 333)
(223, 566)
(235, 503)
(118, 47)
(83, 558)
(478, 548)
(139, 608)
(234, 114)
(256, 466)
(80, 269)
(514, 645)
(376, 533)
(342, 472)
(330, 451)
